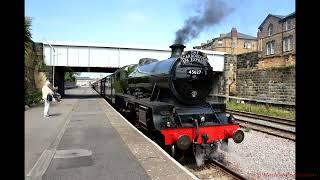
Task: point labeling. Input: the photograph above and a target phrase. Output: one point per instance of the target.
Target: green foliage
(33, 63)
(32, 98)
(262, 109)
(28, 58)
(27, 35)
(27, 28)
(69, 76)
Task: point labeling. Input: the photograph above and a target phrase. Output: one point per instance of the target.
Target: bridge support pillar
(59, 80)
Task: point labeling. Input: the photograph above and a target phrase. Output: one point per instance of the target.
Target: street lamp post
(53, 61)
(53, 69)
(55, 54)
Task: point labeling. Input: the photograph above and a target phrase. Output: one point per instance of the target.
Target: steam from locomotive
(211, 12)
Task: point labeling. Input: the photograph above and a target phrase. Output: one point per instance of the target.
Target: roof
(242, 36)
(288, 16)
(280, 17)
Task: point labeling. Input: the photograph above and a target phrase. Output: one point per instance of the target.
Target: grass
(262, 109)
(32, 98)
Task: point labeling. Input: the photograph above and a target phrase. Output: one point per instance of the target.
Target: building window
(246, 45)
(270, 48)
(287, 44)
(270, 30)
(219, 43)
(288, 24)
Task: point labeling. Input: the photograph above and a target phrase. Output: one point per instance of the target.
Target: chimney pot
(234, 32)
(176, 50)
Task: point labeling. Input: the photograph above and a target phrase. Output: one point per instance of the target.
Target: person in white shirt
(45, 92)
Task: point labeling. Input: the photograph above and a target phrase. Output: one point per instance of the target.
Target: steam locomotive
(169, 99)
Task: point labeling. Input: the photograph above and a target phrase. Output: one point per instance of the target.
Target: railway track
(263, 117)
(211, 170)
(268, 129)
(214, 170)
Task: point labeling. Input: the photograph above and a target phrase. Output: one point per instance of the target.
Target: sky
(144, 22)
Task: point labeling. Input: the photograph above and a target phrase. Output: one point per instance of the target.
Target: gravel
(261, 156)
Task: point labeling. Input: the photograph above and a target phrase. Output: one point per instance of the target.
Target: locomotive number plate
(194, 56)
(194, 71)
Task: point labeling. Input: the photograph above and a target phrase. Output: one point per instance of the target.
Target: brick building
(276, 41)
(232, 43)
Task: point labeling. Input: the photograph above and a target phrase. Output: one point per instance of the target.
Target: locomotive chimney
(176, 50)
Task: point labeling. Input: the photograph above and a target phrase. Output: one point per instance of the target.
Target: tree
(70, 75)
(27, 36)
(33, 61)
(28, 56)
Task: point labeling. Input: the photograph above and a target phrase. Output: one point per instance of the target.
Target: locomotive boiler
(168, 98)
(187, 77)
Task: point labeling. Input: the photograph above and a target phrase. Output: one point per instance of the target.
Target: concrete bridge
(98, 57)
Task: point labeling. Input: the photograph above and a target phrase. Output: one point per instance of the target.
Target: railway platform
(85, 138)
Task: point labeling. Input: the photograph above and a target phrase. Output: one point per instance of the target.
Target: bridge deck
(94, 55)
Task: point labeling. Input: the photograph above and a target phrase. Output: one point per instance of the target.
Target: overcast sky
(144, 22)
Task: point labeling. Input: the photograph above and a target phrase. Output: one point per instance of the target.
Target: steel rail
(266, 126)
(263, 117)
(289, 133)
(228, 170)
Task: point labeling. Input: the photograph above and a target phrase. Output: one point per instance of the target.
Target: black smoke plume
(210, 13)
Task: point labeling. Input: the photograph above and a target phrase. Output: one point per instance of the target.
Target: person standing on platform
(47, 96)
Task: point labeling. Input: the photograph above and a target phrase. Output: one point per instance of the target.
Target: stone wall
(277, 61)
(35, 69)
(272, 84)
(218, 83)
(247, 76)
(229, 74)
(247, 60)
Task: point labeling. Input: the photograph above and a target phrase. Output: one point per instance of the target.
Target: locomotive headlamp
(168, 124)
(202, 119)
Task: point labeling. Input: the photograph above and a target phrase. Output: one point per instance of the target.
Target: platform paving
(87, 139)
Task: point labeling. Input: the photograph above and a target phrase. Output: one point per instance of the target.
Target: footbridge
(64, 56)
